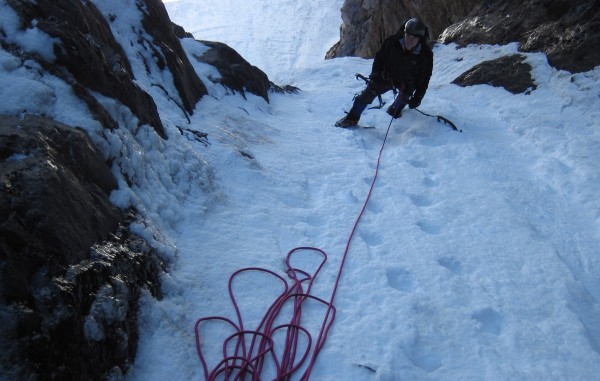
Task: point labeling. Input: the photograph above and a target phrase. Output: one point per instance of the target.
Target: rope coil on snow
(246, 351)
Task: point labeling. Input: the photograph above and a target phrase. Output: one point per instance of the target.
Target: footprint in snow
(420, 200)
(451, 264)
(417, 163)
(429, 227)
(374, 207)
(430, 183)
(401, 279)
(371, 238)
(422, 353)
(490, 321)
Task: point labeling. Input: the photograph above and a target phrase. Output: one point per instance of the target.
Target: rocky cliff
(71, 273)
(90, 58)
(567, 31)
(71, 270)
(366, 23)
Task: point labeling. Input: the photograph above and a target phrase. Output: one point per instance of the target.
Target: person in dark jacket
(404, 63)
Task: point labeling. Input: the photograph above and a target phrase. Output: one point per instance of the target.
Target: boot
(346, 121)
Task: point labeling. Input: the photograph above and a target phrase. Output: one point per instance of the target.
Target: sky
(476, 256)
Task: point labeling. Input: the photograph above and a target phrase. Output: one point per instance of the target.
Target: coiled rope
(245, 352)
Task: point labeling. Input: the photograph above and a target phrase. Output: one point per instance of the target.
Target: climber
(403, 63)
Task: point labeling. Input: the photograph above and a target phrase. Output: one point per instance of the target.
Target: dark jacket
(409, 71)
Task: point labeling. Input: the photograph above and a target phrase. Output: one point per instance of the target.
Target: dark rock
(156, 22)
(56, 168)
(94, 60)
(89, 52)
(366, 23)
(236, 73)
(66, 312)
(567, 31)
(180, 32)
(71, 273)
(285, 89)
(509, 72)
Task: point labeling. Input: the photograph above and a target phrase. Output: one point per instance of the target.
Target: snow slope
(277, 36)
(477, 255)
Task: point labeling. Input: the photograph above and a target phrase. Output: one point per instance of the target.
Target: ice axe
(441, 119)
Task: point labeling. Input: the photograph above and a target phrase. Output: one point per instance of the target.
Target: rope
(246, 351)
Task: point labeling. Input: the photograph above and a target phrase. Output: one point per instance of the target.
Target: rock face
(95, 61)
(236, 73)
(366, 23)
(156, 21)
(70, 273)
(567, 31)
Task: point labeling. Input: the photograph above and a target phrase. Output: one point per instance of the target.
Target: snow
(33, 39)
(276, 36)
(476, 257)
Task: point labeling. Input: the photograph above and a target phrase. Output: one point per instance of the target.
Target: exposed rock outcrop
(510, 72)
(156, 21)
(236, 73)
(366, 23)
(95, 61)
(567, 31)
(70, 272)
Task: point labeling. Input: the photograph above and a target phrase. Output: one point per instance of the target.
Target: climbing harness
(382, 103)
(246, 352)
(367, 81)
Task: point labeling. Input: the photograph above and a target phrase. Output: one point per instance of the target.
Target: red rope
(246, 351)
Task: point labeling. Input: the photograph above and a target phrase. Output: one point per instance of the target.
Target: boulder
(239, 75)
(510, 72)
(236, 73)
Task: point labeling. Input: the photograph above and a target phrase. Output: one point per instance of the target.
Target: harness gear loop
(367, 81)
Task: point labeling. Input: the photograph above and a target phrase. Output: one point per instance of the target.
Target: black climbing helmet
(415, 27)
